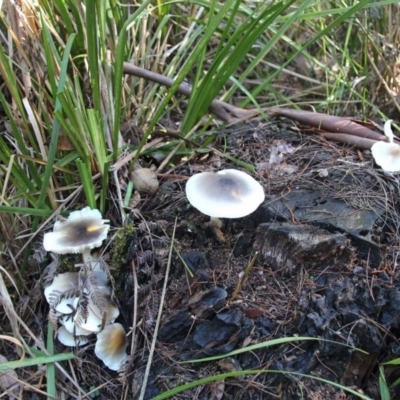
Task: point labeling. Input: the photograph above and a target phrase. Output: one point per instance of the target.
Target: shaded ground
(327, 243)
(327, 240)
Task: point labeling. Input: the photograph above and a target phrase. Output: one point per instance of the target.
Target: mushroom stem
(87, 256)
(387, 128)
(216, 222)
(216, 225)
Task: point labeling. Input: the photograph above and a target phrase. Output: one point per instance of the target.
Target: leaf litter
(327, 235)
(328, 238)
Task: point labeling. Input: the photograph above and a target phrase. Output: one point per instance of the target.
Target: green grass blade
(383, 387)
(92, 32)
(86, 179)
(29, 362)
(269, 343)
(226, 375)
(97, 139)
(395, 361)
(36, 212)
(50, 367)
(118, 65)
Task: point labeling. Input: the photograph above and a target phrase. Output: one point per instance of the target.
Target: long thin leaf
(118, 65)
(234, 374)
(29, 362)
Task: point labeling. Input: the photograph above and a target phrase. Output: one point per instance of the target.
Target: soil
(327, 243)
(321, 253)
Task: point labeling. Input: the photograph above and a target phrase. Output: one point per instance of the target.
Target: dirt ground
(323, 248)
(327, 242)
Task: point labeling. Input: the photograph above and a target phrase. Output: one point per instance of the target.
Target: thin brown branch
(221, 109)
(359, 142)
(339, 129)
(329, 123)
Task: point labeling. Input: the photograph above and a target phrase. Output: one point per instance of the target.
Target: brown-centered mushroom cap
(82, 231)
(111, 346)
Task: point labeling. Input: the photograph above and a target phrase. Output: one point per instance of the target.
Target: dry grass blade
(8, 306)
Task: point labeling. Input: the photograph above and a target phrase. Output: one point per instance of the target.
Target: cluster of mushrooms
(81, 303)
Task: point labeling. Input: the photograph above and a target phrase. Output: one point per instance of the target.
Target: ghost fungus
(227, 194)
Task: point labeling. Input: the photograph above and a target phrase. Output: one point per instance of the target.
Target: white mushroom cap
(62, 283)
(70, 280)
(227, 194)
(66, 305)
(111, 346)
(68, 322)
(68, 339)
(387, 155)
(94, 317)
(82, 231)
(82, 319)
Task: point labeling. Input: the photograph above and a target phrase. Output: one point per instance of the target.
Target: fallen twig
(221, 109)
(359, 142)
(339, 129)
(329, 123)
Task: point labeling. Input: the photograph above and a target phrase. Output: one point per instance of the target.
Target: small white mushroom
(227, 194)
(82, 231)
(91, 317)
(68, 322)
(86, 317)
(111, 346)
(68, 339)
(387, 155)
(62, 283)
(69, 281)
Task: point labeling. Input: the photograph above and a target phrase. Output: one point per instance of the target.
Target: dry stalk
(245, 275)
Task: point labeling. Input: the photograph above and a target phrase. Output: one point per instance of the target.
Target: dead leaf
(145, 180)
